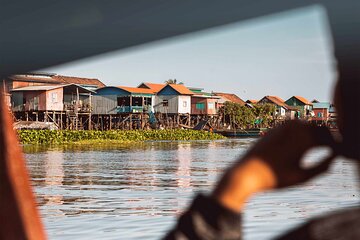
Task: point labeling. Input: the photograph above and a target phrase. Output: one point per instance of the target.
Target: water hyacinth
(72, 136)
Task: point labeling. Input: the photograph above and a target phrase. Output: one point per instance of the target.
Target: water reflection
(137, 190)
(183, 172)
(54, 175)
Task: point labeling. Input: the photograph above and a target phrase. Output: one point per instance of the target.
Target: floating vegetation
(51, 137)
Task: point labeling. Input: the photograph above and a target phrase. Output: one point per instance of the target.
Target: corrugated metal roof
(206, 96)
(321, 105)
(57, 79)
(38, 88)
(79, 81)
(49, 87)
(231, 97)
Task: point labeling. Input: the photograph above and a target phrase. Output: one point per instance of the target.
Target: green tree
(244, 117)
(173, 81)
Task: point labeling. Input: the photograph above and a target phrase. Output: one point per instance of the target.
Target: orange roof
(156, 87)
(252, 101)
(303, 100)
(180, 89)
(277, 100)
(231, 97)
(137, 90)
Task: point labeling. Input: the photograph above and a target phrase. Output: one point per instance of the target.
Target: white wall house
(173, 99)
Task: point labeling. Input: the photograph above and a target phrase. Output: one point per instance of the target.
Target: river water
(137, 191)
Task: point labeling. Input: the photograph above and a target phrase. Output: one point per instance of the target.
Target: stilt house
(173, 99)
(51, 98)
(203, 103)
(116, 100)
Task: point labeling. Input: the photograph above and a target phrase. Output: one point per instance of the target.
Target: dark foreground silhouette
(275, 162)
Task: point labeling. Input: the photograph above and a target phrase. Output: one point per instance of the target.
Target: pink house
(48, 97)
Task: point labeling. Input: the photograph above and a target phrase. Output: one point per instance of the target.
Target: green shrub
(72, 136)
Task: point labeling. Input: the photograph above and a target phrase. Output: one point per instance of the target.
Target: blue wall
(168, 91)
(112, 91)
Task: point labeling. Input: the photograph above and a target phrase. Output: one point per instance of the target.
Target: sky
(284, 54)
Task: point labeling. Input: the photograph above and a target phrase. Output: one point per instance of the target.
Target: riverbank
(53, 137)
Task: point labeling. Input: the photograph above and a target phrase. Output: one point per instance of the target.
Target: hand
(274, 162)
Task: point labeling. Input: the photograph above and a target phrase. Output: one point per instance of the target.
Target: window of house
(123, 101)
(137, 101)
(184, 103)
(165, 103)
(211, 106)
(54, 97)
(147, 101)
(320, 114)
(200, 106)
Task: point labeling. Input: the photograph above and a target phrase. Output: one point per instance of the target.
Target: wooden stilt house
(173, 99)
(203, 103)
(116, 100)
(51, 98)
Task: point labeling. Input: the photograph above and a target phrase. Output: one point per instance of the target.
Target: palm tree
(173, 81)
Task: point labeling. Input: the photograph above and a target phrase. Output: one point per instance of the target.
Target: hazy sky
(285, 54)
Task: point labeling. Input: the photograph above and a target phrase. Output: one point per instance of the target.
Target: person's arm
(274, 162)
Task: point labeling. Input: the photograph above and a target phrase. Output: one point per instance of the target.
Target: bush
(72, 136)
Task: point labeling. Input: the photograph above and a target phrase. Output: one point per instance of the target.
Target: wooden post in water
(110, 122)
(130, 125)
(61, 121)
(90, 109)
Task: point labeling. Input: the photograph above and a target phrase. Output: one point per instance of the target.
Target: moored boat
(241, 133)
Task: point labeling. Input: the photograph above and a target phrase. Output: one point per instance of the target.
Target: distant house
(173, 99)
(115, 100)
(155, 87)
(321, 111)
(51, 98)
(37, 79)
(303, 106)
(282, 109)
(228, 97)
(203, 103)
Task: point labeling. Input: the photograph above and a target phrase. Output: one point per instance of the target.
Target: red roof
(277, 100)
(137, 90)
(80, 81)
(156, 87)
(303, 100)
(57, 79)
(231, 97)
